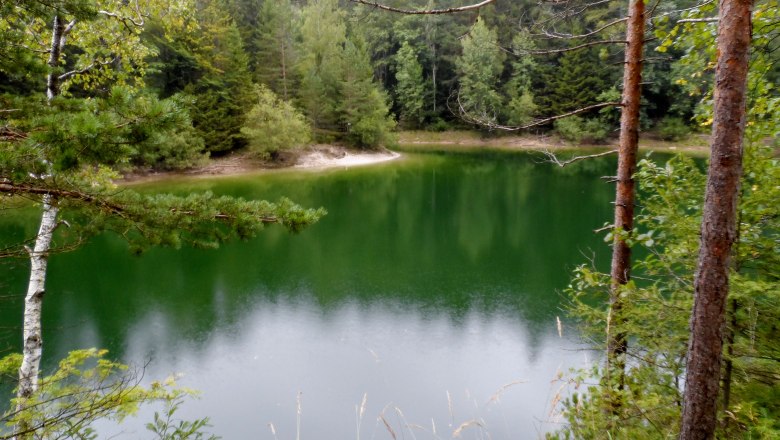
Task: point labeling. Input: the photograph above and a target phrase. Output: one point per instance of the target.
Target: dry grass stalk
(556, 400)
(387, 425)
(497, 396)
(449, 406)
(298, 417)
(273, 430)
(465, 425)
(560, 327)
(360, 411)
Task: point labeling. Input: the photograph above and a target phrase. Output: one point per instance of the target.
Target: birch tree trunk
(718, 228)
(33, 302)
(625, 193)
(32, 338)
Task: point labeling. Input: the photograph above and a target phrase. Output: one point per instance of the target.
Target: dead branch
(552, 158)
(569, 49)
(424, 12)
(556, 35)
(96, 63)
(698, 20)
(490, 124)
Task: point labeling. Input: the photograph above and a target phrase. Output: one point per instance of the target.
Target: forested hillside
(352, 73)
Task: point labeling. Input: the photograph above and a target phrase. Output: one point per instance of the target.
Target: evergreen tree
(479, 68)
(410, 86)
(577, 80)
(275, 53)
(222, 96)
(521, 107)
(323, 35)
(363, 105)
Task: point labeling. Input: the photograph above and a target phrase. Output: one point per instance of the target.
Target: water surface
(432, 287)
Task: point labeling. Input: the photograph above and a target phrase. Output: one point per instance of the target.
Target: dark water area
(433, 283)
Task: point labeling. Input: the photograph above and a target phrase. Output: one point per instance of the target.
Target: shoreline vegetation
(320, 157)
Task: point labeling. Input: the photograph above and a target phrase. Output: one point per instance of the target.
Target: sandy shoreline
(315, 157)
(323, 157)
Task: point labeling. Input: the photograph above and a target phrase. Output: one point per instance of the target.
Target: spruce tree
(410, 86)
(323, 35)
(223, 94)
(275, 53)
(363, 105)
(479, 68)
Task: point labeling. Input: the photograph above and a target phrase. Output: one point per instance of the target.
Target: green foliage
(521, 106)
(276, 53)
(579, 130)
(85, 388)
(479, 67)
(668, 227)
(410, 88)
(166, 427)
(672, 129)
(323, 35)
(363, 107)
(576, 82)
(223, 96)
(274, 124)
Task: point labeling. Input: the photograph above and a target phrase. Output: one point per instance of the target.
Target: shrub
(274, 124)
(672, 129)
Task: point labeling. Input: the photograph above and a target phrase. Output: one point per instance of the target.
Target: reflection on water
(433, 276)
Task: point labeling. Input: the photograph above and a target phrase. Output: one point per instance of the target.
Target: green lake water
(434, 281)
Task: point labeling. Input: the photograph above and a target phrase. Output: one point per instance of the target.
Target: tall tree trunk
(33, 301)
(625, 194)
(718, 228)
(55, 54)
(32, 344)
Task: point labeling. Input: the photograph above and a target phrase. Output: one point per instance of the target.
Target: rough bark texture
(33, 303)
(625, 192)
(55, 54)
(718, 228)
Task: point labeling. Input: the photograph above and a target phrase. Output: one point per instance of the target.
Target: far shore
(695, 145)
(324, 157)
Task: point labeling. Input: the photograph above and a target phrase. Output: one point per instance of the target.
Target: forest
(92, 89)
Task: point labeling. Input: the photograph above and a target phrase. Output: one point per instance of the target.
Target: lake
(433, 288)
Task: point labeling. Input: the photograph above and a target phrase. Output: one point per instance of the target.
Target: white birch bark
(33, 304)
(32, 338)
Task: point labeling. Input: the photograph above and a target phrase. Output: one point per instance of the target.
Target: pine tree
(479, 68)
(323, 35)
(223, 94)
(410, 86)
(275, 53)
(363, 105)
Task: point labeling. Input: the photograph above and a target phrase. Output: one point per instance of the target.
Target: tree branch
(552, 158)
(116, 208)
(424, 12)
(569, 49)
(698, 20)
(464, 114)
(570, 37)
(96, 63)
